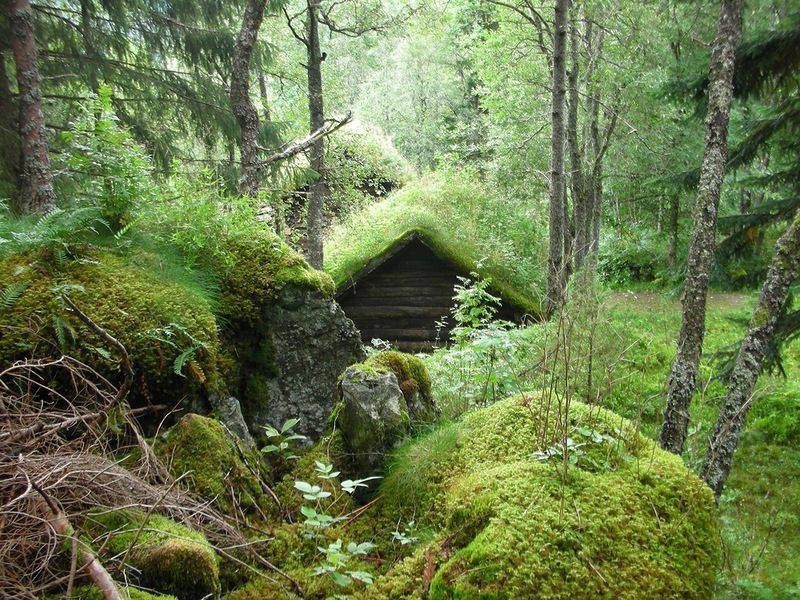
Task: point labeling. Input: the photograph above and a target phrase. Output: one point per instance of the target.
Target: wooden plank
(395, 322)
(359, 301)
(402, 291)
(374, 312)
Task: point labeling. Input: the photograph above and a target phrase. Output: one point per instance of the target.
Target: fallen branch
(300, 145)
(93, 567)
(123, 353)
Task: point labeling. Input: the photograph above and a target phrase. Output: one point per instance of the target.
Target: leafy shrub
(631, 256)
(102, 164)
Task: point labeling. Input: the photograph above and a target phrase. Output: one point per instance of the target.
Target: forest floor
(760, 509)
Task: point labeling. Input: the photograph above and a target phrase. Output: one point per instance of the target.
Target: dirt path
(724, 300)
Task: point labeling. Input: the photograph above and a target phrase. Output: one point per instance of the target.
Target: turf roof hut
(404, 292)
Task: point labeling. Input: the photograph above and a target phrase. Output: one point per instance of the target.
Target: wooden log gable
(401, 297)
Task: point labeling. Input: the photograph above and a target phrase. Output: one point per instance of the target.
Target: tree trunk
(722, 444)
(318, 190)
(682, 378)
(36, 178)
(556, 276)
(262, 88)
(243, 108)
(674, 208)
(579, 201)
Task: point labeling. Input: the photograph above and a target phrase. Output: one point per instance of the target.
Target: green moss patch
(449, 212)
(201, 448)
(169, 557)
(625, 520)
(155, 320)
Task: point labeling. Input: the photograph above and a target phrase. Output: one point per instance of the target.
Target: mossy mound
(413, 378)
(157, 321)
(259, 268)
(625, 520)
(91, 592)
(215, 466)
(168, 557)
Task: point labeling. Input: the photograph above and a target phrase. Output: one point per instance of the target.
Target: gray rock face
(311, 342)
(229, 412)
(373, 417)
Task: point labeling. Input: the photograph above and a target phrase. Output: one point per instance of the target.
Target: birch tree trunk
(682, 377)
(243, 108)
(579, 200)
(318, 190)
(35, 175)
(556, 276)
(722, 444)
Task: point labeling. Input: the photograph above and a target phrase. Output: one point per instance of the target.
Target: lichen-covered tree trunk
(318, 190)
(556, 276)
(243, 108)
(682, 377)
(35, 176)
(722, 444)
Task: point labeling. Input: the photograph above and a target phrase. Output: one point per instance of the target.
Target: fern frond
(11, 293)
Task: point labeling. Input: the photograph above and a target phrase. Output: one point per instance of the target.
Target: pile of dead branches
(69, 444)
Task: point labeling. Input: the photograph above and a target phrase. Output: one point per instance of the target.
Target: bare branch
(300, 145)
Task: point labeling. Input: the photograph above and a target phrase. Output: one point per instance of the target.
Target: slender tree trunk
(262, 88)
(36, 178)
(579, 200)
(318, 190)
(243, 108)
(556, 276)
(681, 384)
(723, 442)
(674, 207)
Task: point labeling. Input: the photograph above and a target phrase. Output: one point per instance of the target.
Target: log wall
(402, 300)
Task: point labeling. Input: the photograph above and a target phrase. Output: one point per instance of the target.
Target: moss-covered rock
(413, 378)
(156, 320)
(624, 520)
(287, 338)
(382, 399)
(214, 464)
(91, 592)
(166, 556)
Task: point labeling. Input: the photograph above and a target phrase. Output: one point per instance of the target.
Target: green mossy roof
(628, 521)
(451, 214)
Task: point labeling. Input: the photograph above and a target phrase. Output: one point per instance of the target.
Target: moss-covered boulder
(156, 320)
(381, 400)
(166, 556)
(413, 379)
(287, 339)
(619, 518)
(275, 341)
(215, 466)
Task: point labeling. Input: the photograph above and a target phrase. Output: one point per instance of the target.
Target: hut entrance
(402, 298)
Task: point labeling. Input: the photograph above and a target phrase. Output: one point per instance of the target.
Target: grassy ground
(760, 509)
(633, 345)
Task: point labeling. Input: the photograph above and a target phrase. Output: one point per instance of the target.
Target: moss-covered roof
(458, 219)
